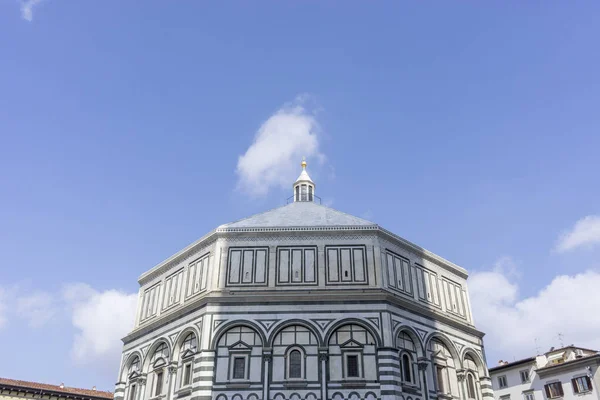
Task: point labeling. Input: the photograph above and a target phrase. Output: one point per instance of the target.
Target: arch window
(188, 346)
(352, 340)
(159, 361)
(237, 343)
(470, 363)
(160, 356)
(188, 349)
(407, 354)
(407, 368)
(471, 386)
(132, 372)
(442, 361)
(295, 364)
(134, 366)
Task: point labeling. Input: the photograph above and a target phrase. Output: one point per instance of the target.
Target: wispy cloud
(585, 233)
(279, 144)
(27, 7)
(38, 308)
(497, 307)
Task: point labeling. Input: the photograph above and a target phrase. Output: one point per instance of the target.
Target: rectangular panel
(452, 296)
(200, 283)
(234, 266)
(346, 265)
(399, 275)
(248, 264)
(433, 287)
(261, 266)
(391, 272)
(359, 265)
(406, 274)
(459, 303)
(421, 283)
(284, 265)
(297, 265)
(167, 293)
(332, 265)
(191, 279)
(309, 265)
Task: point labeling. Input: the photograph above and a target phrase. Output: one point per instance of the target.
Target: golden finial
(303, 163)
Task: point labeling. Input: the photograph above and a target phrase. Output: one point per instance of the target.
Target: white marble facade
(303, 302)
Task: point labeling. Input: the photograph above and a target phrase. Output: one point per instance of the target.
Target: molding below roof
(222, 232)
(314, 296)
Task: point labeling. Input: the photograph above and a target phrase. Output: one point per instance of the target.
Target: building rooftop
(299, 214)
(511, 364)
(26, 386)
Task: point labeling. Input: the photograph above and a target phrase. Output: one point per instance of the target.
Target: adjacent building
(12, 389)
(303, 302)
(567, 373)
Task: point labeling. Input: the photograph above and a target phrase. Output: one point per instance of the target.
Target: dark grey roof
(299, 214)
(511, 364)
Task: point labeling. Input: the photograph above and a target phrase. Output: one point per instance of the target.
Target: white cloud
(101, 320)
(586, 232)
(27, 8)
(568, 305)
(37, 308)
(273, 158)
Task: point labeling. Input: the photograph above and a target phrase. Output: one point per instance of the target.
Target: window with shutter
(581, 384)
(554, 390)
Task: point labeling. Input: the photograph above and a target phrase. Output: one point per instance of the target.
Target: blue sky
(469, 128)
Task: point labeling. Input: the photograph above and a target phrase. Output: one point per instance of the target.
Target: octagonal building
(303, 302)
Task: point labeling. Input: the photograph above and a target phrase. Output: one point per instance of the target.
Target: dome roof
(304, 177)
(299, 214)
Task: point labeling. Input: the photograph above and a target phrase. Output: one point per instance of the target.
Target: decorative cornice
(198, 246)
(233, 234)
(275, 297)
(334, 228)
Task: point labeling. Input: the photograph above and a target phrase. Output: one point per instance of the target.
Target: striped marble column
(204, 367)
(388, 366)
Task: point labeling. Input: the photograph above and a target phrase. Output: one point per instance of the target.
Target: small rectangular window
(529, 396)
(310, 193)
(582, 384)
(502, 382)
(524, 376)
(159, 383)
(352, 366)
(304, 196)
(554, 390)
(239, 368)
(187, 374)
